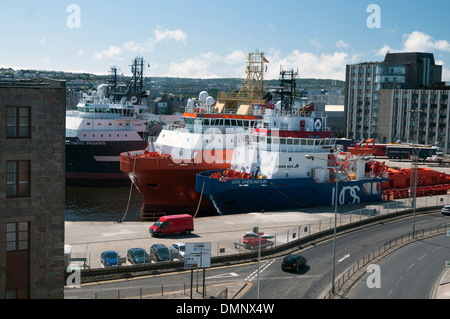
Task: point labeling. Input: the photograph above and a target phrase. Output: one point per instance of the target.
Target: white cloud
(80, 52)
(160, 36)
(309, 65)
(236, 56)
(197, 67)
(384, 50)
(112, 52)
(315, 42)
(167, 34)
(445, 71)
(417, 42)
(341, 44)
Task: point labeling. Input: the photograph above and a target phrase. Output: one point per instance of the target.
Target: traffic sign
(197, 255)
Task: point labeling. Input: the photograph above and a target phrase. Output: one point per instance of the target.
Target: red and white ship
(164, 173)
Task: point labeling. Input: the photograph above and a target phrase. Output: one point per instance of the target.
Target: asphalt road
(408, 274)
(308, 283)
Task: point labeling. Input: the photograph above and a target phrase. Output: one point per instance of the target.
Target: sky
(212, 38)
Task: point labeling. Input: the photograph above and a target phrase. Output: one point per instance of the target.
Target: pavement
(88, 239)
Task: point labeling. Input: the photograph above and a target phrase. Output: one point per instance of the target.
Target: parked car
(177, 250)
(445, 210)
(110, 258)
(137, 255)
(293, 262)
(159, 252)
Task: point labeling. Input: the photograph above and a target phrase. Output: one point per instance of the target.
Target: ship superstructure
(164, 172)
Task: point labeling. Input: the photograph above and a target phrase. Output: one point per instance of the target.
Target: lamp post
(416, 165)
(337, 168)
(259, 254)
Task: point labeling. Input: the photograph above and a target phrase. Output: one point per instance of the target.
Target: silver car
(177, 250)
(445, 210)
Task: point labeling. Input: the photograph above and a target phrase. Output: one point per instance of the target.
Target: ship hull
(96, 161)
(256, 195)
(168, 186)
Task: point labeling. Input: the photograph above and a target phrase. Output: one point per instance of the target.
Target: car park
(445, 210)
(159, 252)
(110, 258)
(293, 262)
(137, 255)
(178, 250)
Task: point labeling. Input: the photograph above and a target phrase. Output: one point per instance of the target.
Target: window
(17, 178)
(17, 235)
(18, 122)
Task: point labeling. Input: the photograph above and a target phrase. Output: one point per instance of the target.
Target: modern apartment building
(364, 81)
(32, 189)
(415, 116)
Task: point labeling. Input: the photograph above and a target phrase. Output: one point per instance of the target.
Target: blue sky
(212, 38)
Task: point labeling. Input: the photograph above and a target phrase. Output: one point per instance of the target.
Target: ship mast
(252, 89)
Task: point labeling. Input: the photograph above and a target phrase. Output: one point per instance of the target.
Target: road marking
(346, 256)
(230, 274)
(254, 274)
(422, 257)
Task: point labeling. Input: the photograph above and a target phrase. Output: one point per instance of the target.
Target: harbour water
(102, 203)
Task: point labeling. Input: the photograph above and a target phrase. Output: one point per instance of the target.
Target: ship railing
(292, 148)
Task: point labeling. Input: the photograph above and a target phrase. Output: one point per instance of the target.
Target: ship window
(262, 139)
(283, 141)
(302, 141)
(289, 141)
(276, 141)
(227, 122)
(269, 140)
(254, 138)
(310, 142)
(290, 159)
(296, 141)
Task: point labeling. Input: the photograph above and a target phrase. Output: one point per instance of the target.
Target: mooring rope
(129, 196)
(200, 200)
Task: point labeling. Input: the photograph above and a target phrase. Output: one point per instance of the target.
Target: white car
(177, 250)
(445, 210)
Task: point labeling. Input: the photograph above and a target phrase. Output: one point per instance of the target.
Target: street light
(252, 234)
(337, 168)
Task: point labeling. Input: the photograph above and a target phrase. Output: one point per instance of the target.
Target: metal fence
(351, 275)
(283, 235)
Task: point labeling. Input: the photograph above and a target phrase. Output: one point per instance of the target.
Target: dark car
(137, 255)
(159, 252)
(293, 262)
(445, 210)
(110, 258)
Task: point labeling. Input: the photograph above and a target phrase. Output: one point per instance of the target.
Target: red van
(173, 224)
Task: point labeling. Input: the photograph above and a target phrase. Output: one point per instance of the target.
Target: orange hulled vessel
(165, 172)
